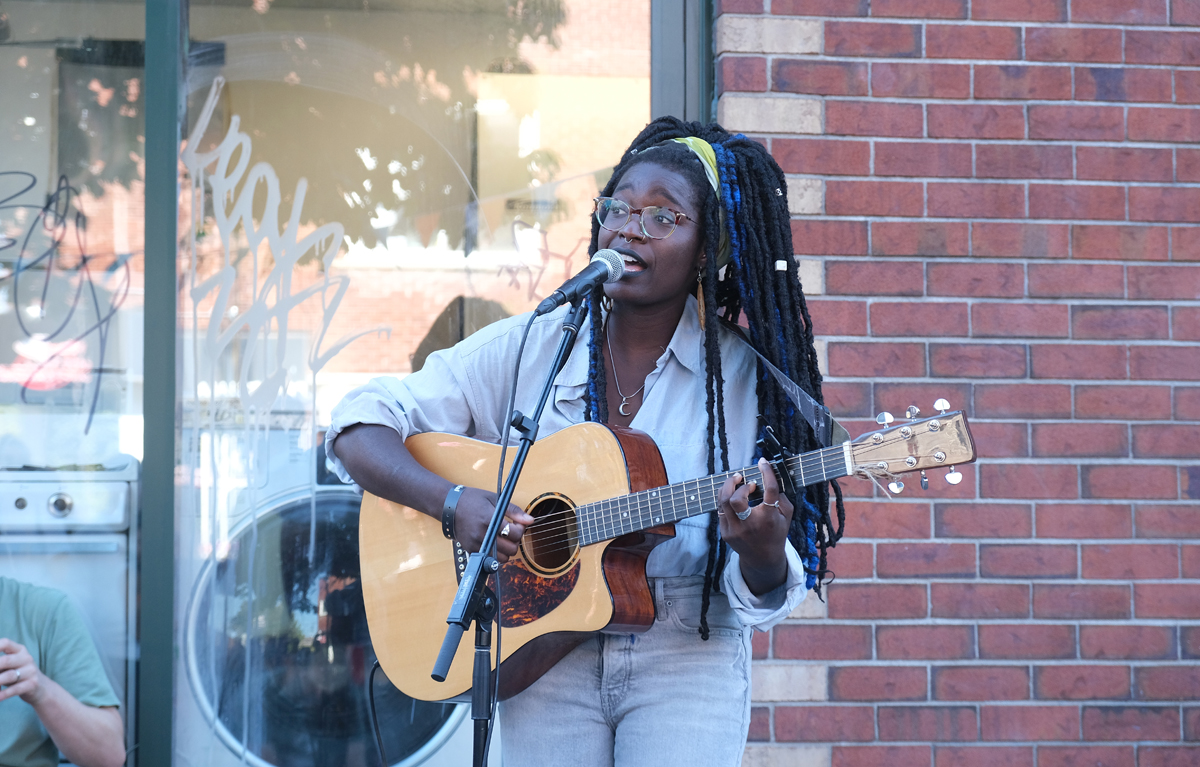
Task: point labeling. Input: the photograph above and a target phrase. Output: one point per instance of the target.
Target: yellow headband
(708, 158)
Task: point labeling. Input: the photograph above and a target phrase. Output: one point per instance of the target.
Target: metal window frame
(682, 78)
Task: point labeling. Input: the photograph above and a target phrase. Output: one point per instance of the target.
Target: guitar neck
(603, 520)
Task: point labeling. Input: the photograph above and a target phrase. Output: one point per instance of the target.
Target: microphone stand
(474, 601)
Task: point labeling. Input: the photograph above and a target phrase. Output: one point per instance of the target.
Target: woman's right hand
(471, 519)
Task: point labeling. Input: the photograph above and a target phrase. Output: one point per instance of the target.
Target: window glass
(362, 184)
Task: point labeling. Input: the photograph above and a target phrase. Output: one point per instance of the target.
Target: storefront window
(71, 267)
(362, 183)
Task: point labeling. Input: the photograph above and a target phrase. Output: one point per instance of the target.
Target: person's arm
(86, 735)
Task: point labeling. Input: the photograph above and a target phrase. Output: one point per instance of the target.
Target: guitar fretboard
(624, 514)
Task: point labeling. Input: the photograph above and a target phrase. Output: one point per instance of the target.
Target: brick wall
(996, 202)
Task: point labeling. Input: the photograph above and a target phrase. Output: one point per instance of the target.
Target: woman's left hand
(760, 537)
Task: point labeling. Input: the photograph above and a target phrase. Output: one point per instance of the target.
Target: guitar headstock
(918, 444)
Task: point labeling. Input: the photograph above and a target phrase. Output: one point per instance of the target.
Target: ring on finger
(18, 676)
(775, 504)
(504, 532)
(744, 515)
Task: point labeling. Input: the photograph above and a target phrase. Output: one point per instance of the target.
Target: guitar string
(587, 515)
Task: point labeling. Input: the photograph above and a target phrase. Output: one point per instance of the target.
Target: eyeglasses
(656, 223)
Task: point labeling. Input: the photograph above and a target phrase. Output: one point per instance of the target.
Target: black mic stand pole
(474, 601)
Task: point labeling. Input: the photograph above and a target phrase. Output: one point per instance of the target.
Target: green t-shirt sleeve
(70, 657)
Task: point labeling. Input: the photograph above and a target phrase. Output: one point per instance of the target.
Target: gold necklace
(624, 399)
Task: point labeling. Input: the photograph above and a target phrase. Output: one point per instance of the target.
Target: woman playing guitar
(701, 219)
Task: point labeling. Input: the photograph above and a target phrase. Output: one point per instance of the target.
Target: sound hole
(550, 543)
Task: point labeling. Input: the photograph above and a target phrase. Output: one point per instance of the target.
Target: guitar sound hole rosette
(550, 546)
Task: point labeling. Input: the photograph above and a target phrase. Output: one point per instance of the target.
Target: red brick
(1076, 281)
(822, 642)
(909, 560)
(1164, 203)
(867, 38)
(829, 238)
(883, 278)
(870, 756)
(872, 683)
(977, 280)
(1084, 520)
(824, 723)
(976, 200)
(905, 158)
(1081, 682)
(1165, 362)
(897, 396)
(920, 9)
(980, 683)
(1169, 756)
(741, 73)
(1130, 481)
(740, 6)
(760, 644)
(760, 724)
(1027, 561)
(1167, 600)
(1022, 401)
(851, 560)
(1029, 480)
(1164, 124)
(1104, 163)
(838, 318)
(919, 238)
(1074, 601)
(927, 723)
(1000, 440)
(851, 358)
(1076, 361)
(977, 360)
(1185, 13)
(873, 198)
(1029, 722)
(1022, 161)
(1126, 642)
(1019, 10)
(1076, 122)
(1164, 282)
(972, 42)
(918, 319)
(847, 398)
(1187, 164)
(1191, 729)
(980, 121)
(924, 642)
(979, 600)
(1119, 322)
(1167, 521)
(819, 7)
(983, 756)
(1166, 441)
(1017, 320)
(1190, 643)
(1130, 723)
(1130, 561)
(1082, 45)
(1185, 323)
(868, 519)
(1144, 46)
(1123, 402)
(854, 601)
(867, 118)
(1079, 756)
(982, 520)
(1007, 81)
(1118, 84)
(1083, 440)
(1187, 403)
(826, 78)
(1026, 641)
(1141, 243)
(1076, 201)
(822, 156)
(1189, 560)
(1120, 12)
(1187, 86)
(920, 81)
(1000, 239)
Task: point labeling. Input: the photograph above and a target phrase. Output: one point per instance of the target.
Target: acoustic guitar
(601, 502)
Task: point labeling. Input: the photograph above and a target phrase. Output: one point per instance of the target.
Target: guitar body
(554, 594)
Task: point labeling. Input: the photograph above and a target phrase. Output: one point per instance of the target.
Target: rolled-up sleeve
(763, 612)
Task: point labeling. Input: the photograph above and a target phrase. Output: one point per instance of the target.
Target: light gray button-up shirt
(465, 390)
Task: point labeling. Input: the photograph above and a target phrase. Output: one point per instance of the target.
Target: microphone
(606, 266)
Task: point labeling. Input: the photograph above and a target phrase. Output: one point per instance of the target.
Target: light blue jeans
(664, 698)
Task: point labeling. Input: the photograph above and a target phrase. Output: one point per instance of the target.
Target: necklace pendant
(624, 404)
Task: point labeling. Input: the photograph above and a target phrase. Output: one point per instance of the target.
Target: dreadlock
(752, 203)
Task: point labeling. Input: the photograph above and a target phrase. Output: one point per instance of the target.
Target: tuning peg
(924, 480)
(912, 412)
(884, 418)
(953, 476)
(896, 486)
(941, 406)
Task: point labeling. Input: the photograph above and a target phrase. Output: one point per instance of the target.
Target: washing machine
(277, 657)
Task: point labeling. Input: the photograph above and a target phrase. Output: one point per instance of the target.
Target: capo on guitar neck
(775, 453)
